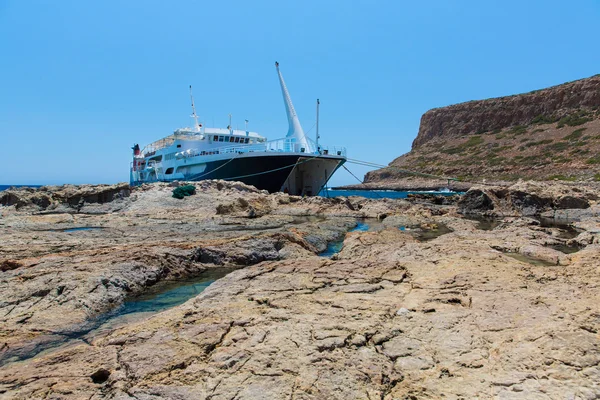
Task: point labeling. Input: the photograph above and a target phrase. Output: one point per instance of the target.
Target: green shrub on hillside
(182, 191)
(493, 161)
(473, 141)
(579, 151)
(509, 177)
(543, 119)
(560, 146)
(593, 160)
(472, 161)
(529, 160)
(497, 149)
(562, 178)
(545, 141)
(576, 134)
(561, 158)
(578, 118)
(452, 150)
(518, 130)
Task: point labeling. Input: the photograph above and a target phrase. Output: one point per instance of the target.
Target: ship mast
(317, 136)
(295, 130)
(194, 115)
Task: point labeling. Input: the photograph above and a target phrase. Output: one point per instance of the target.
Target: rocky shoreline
(411, 185)
(474, 298)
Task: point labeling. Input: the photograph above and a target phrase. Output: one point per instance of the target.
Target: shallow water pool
(160, 297)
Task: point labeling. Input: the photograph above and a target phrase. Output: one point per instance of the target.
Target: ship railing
(326, 150)
(151, 149)
(282, 145)
(333, 150)
(285, 145)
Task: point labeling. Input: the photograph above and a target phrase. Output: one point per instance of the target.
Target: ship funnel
(295, 131)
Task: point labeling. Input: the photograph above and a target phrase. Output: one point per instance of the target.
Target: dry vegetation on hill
(548, 134)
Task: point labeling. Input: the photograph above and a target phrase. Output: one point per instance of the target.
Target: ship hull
(297, 173)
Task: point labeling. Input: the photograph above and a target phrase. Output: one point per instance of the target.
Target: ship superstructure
(293, 164)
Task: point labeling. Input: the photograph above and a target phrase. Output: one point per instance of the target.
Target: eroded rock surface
(526, 198)
(391, 316)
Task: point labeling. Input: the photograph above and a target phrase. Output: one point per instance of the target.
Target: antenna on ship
(317, 141)
(194, 115)
(229, 126)
(246, 121)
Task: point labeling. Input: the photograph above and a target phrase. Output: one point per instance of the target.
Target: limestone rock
(393, 316)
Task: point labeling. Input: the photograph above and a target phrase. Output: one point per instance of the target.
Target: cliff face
(487, 115)
(547, 134)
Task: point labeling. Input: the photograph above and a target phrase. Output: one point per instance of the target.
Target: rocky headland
(490, 294)
(551, 134)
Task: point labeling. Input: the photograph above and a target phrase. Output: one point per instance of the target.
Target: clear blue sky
(81, 81)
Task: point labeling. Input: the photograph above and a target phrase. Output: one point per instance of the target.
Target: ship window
(216, 138)
(220, 138)
(169, 171)
(231, 138)
(247, 140)
(237, 139)
(178, 146)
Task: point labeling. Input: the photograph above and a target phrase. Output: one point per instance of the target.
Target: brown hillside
(487, 115)
(552, 133)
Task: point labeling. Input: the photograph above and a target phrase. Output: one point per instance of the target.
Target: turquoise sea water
(83, 228)
(162, 296)
(371, 194)
(4, 187)
(380, 194)
(171, 294)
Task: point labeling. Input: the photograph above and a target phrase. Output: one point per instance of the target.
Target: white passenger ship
(294, 164)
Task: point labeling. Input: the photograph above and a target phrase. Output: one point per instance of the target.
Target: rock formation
(579, 98)
(524, 199)
(548, 134)
(474, 310)
(69, 196)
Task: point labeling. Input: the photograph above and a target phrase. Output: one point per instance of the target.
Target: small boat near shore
(294, 164)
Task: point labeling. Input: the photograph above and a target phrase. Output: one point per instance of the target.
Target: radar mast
(197, 125)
